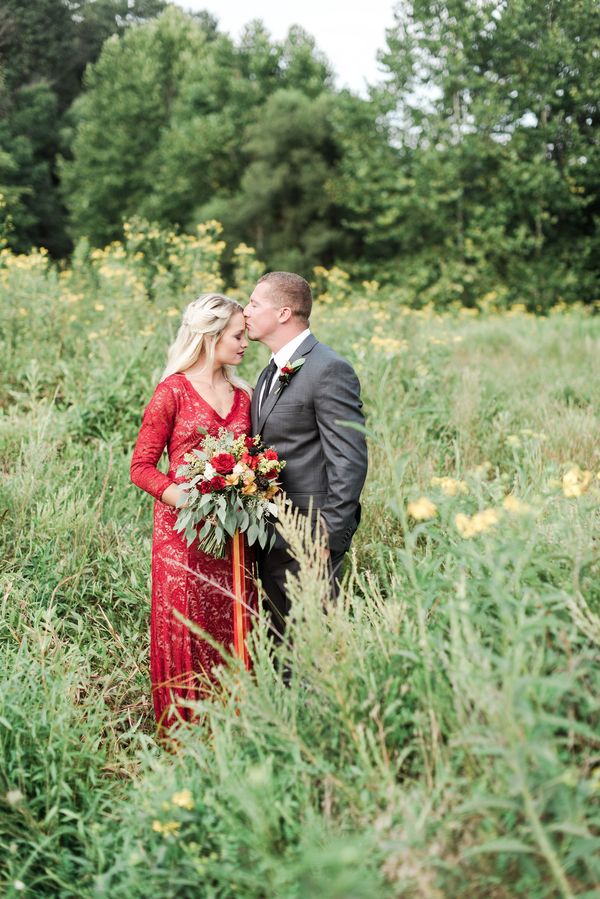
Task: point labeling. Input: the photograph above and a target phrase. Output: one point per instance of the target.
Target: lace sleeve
(157, 427)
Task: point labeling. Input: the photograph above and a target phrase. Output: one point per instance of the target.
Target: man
(300, 412)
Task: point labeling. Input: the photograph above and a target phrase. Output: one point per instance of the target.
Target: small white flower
(13, 797)
(19, 886)
(209, 472)
(238, 469)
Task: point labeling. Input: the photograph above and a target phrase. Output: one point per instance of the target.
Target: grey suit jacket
(326, 461)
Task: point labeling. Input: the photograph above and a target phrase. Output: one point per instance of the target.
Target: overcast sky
(349, 34)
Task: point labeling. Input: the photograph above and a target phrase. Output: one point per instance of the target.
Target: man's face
(262, 313)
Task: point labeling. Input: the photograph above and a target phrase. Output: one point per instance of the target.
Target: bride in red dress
(199, 388)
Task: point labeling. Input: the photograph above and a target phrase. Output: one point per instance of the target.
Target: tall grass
(440, 734)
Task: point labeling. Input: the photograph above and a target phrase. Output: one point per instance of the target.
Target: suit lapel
(272, 399)
(255, 398)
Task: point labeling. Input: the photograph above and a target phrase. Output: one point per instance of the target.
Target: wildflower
(183, 799)
(167, 828)
(243, 249)
(481, 471)
(535, 435)
(515, 505)
(19, 886)
(371, 287)
(172, 312)
(422, 509)
(99, 307)
(450, 486)
(13, 797)
(471, 526)
(514, 440)
(389, 345)
(576, 482)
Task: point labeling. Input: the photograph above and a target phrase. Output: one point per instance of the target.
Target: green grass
(441, 734)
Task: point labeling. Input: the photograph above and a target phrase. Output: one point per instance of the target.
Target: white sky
(350, 34)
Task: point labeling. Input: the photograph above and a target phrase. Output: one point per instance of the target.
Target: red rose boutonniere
(288, 371)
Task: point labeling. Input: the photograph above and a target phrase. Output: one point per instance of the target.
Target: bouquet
(229, 486)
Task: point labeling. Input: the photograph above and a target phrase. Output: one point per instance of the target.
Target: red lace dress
(183, 579)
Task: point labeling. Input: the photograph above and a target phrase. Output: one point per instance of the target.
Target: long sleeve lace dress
(183, 578)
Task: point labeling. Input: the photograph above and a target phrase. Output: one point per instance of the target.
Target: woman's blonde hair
(203, 323)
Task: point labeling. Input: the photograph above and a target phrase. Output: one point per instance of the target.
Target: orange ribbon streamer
(240, 606)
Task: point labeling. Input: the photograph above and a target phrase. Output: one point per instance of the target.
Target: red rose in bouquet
(223, 463)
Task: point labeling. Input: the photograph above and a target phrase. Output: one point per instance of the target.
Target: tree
(161, 130)
(45, 46)
(119, 120)
(497, 113)
(284, 206)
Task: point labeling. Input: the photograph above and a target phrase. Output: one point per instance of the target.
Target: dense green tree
(497, 114)
(162, 128)
(44, 48)
(127, 106)
(285, 207)
(54, 40)
(28, 136)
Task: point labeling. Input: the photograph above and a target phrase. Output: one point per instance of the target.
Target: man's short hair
(290, 290)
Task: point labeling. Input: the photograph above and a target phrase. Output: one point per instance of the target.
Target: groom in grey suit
(300, 414)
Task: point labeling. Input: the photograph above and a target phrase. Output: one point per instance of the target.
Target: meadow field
(440, 737)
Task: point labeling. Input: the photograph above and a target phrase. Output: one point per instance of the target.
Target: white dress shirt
(282, 356)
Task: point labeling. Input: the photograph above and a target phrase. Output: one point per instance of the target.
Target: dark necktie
(271, 369)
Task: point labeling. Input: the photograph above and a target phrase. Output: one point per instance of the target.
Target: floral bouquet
(229, 485)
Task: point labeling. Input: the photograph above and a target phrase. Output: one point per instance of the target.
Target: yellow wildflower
(513, 440)
(471, 526)
(450, 486)
(576, 481)
(422, 509)
(167, 828)
(99, 307)
(515, 505)
(183, 799)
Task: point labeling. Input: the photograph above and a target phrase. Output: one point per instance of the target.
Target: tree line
(471, 171)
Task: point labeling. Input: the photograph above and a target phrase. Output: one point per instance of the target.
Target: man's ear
(285, 313)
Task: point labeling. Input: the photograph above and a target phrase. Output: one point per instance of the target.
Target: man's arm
(337, 399)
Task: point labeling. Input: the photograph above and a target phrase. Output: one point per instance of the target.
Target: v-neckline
(206, 403)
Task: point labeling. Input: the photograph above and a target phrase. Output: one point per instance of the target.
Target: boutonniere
(288, 371)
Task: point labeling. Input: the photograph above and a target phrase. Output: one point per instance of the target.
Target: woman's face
(231, 346)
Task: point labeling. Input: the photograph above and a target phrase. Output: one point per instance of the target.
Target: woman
(199, 388)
